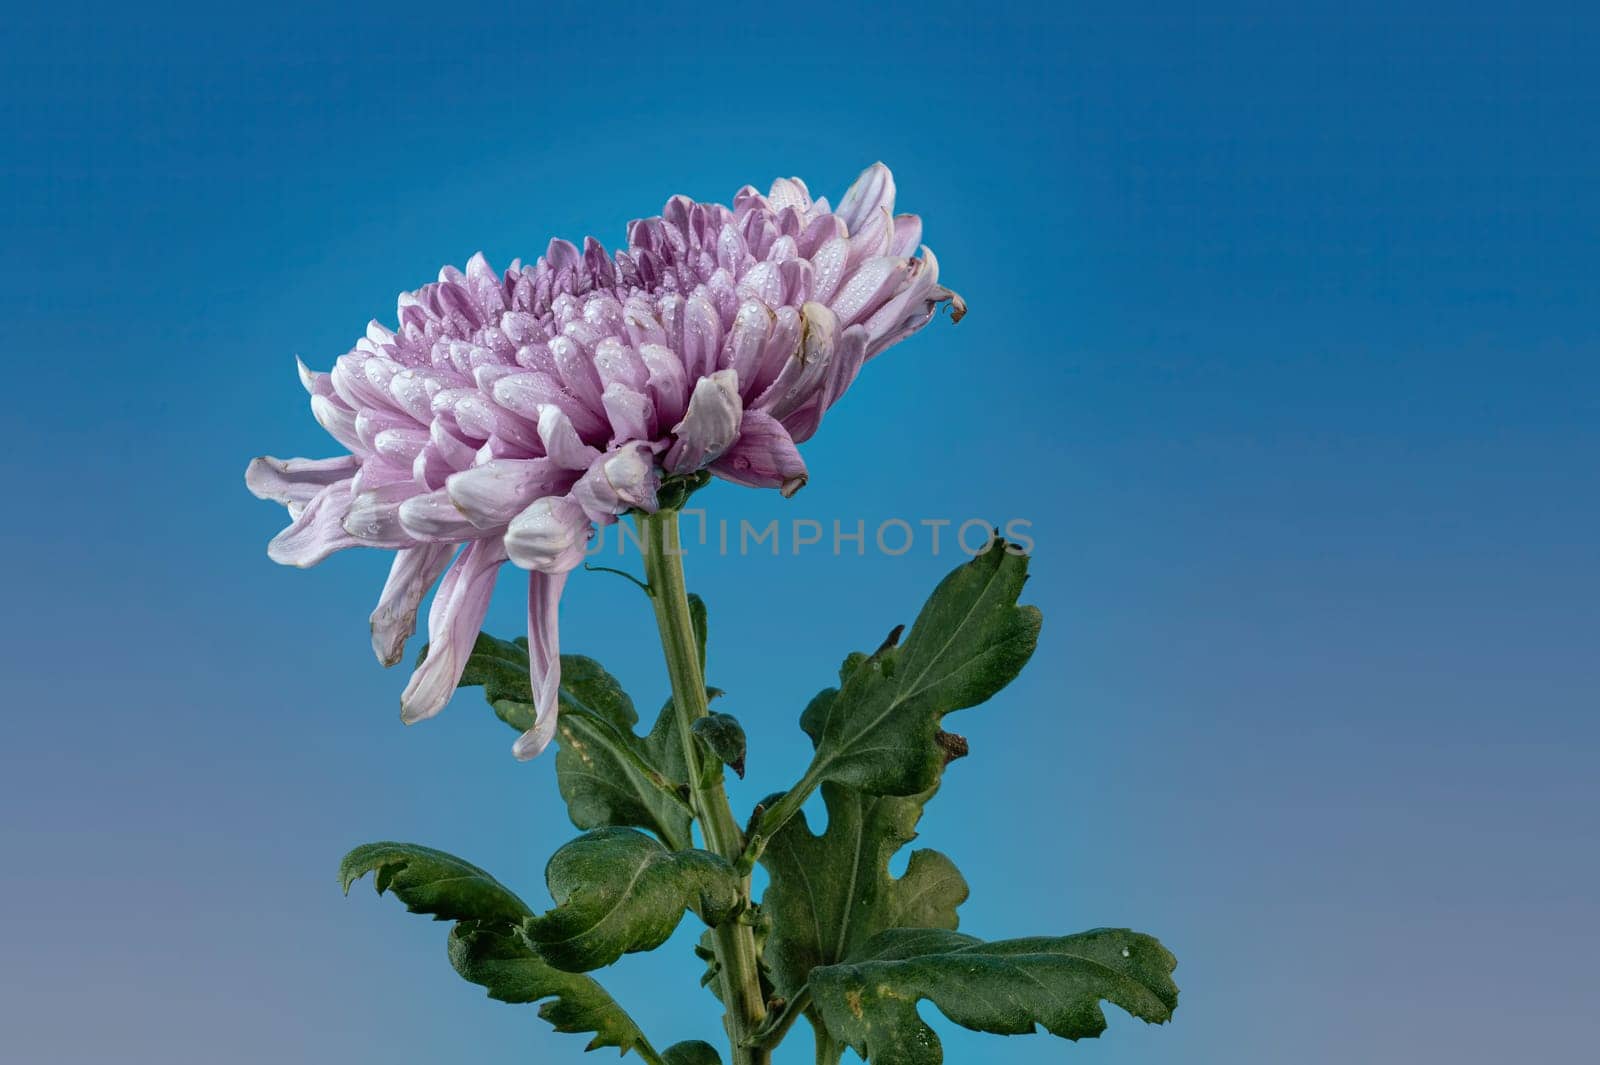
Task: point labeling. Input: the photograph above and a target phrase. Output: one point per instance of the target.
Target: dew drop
(1126, 952)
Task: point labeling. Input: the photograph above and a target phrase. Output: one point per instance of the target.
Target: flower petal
(317, 532)
(702, 337)
(872, 191)
(493, 493)
(631, 413)
(747, 338)
(293, 482)
(907, 234)
(710, 425)
(338, 420)
(763, 457)
(623, 478)
(395, 618)
(789, 192)
(374, 514)
(561, 441)
(808, 368)
(544, 661)
(549, 536)
(433, 518)
(869, 287)
(453, 623)
(668, 384)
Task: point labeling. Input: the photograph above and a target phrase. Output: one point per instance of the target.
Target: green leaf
(433, 882)
(724, 738)
(502, 961)
(608, 775)
(829, 894)
(485, 946)
(880, 731)
(501, 669)
(691, 1052)
(618, 891)
(697, 617)
(1006, 988)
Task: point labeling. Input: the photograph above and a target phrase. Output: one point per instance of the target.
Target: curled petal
(453, 624)
(549, 536)
(763, 457)
(338, 420)
(617, 362)
(527, 394)
(493, 493)
(907, 234)
(561, 441)
(293, 482)
(395, 618)
(847, 360)
(623, 478)
(400, 446)
(828, 268)
(710, 425)
(870, 287)
(631, 413)
(873, 191)
(747, 338)
(789, 192)
(805, 372)
(702, 337)
(433, 518)
(374, 514)
(355, 387)
(577, 371)
(544, 662)
(668, 384)
(315, 384)
(317, 532)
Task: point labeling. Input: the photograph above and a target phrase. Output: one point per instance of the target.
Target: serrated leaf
(829, 894)
(608, 775)
(502, 962)
(618, 891)
(485, 946)
(880, 731)
(724, 737)
(432, 882)
(1005, 988)
(691, 1052)
(500, 667)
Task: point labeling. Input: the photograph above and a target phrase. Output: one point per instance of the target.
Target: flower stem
(734, 941)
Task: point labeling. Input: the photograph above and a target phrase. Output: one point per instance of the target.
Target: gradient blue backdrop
(1283, 335)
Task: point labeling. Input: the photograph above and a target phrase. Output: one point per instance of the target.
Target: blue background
(1283, 335)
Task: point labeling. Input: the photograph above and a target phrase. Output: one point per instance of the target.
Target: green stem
(776, 1028)
(734, 941)
(772, 819)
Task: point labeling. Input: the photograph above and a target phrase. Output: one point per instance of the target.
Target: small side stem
(776, 1028)
(774, 818)
(734, 941)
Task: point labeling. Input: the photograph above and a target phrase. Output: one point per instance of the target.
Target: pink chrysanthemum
(508, 415)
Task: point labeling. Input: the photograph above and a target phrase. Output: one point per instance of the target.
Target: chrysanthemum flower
(508, 415)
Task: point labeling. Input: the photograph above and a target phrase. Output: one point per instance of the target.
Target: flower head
(507, 415)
